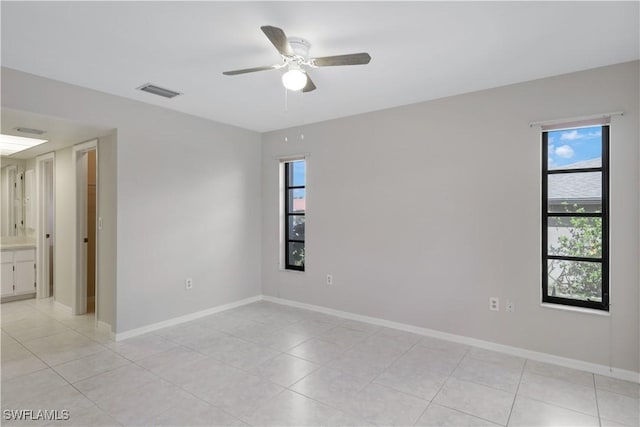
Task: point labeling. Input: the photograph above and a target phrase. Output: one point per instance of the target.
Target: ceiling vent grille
(30, 130)
(157, 90)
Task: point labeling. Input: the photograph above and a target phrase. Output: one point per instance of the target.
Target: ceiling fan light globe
(294, 79)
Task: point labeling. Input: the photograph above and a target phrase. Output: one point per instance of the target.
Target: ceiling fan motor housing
(300, 47)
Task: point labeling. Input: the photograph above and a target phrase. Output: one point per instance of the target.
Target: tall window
(575, 217)
(294, 218)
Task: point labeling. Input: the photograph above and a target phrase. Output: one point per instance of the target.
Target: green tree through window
(578, 279)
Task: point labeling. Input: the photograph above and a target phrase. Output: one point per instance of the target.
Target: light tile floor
(268, 364)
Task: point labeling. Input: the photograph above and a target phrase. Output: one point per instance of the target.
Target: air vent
(157, 90)
(30, 130)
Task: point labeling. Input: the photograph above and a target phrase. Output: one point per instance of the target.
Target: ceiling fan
(295, 56)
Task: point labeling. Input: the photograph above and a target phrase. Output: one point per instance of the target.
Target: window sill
(286, 270)
(575, 309)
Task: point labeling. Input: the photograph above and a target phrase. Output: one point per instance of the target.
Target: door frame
(79, 270)
(42, 261)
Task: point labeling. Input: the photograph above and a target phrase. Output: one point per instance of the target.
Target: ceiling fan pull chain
(304, 115)
(286, 100)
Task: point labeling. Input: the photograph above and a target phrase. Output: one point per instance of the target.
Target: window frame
(287, 214)
(604, 258)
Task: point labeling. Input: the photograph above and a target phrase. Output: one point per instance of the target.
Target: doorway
(85, 241)
(45, 219)
(91, 231)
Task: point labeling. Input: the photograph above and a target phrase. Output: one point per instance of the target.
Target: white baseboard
(60, 306)
(514, 351)
(119, 336)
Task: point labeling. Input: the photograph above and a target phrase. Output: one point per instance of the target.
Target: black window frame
(288, 185)
(604, 214)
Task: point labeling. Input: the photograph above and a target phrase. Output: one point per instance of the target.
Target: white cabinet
(18, 272)
(7, 278)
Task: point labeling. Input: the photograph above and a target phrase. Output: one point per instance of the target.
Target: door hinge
(14, 267)
(34, 284)
(14, 287)
(34, 266)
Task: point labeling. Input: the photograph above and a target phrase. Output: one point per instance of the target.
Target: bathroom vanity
(17, 242)
(18, 261)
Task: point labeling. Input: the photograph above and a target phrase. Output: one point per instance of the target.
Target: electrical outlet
(329, 279)
(188, 283)
(494, 304)
(509, 307)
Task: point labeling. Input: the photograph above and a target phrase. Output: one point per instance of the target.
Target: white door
(49, 237)
(79, 248)
(25, 277)
(45, 224)
(82, 237)
(7, 279)
(47, 263)
(18, 205)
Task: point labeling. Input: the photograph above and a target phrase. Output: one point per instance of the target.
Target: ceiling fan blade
(279, 39)
(309, 86)
(350, 59)
(250, 70)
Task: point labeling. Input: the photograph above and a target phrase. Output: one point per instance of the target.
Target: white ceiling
(420, 50)
(59, 133)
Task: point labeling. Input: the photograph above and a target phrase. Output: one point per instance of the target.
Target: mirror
(12, 204)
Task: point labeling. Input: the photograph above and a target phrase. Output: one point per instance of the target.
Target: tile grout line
(560, 406)
(595, 392)
(536, 374)
(444, 383)
(372, 381)
(283, 388)
(515, 395)
(408, 394)
(324, 365)
(249, 373)
(442, 386)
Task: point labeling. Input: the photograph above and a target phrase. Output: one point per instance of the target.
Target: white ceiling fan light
(294, 79)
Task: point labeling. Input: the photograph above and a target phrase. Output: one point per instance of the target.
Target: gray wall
(423, 212)
(188, 199)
